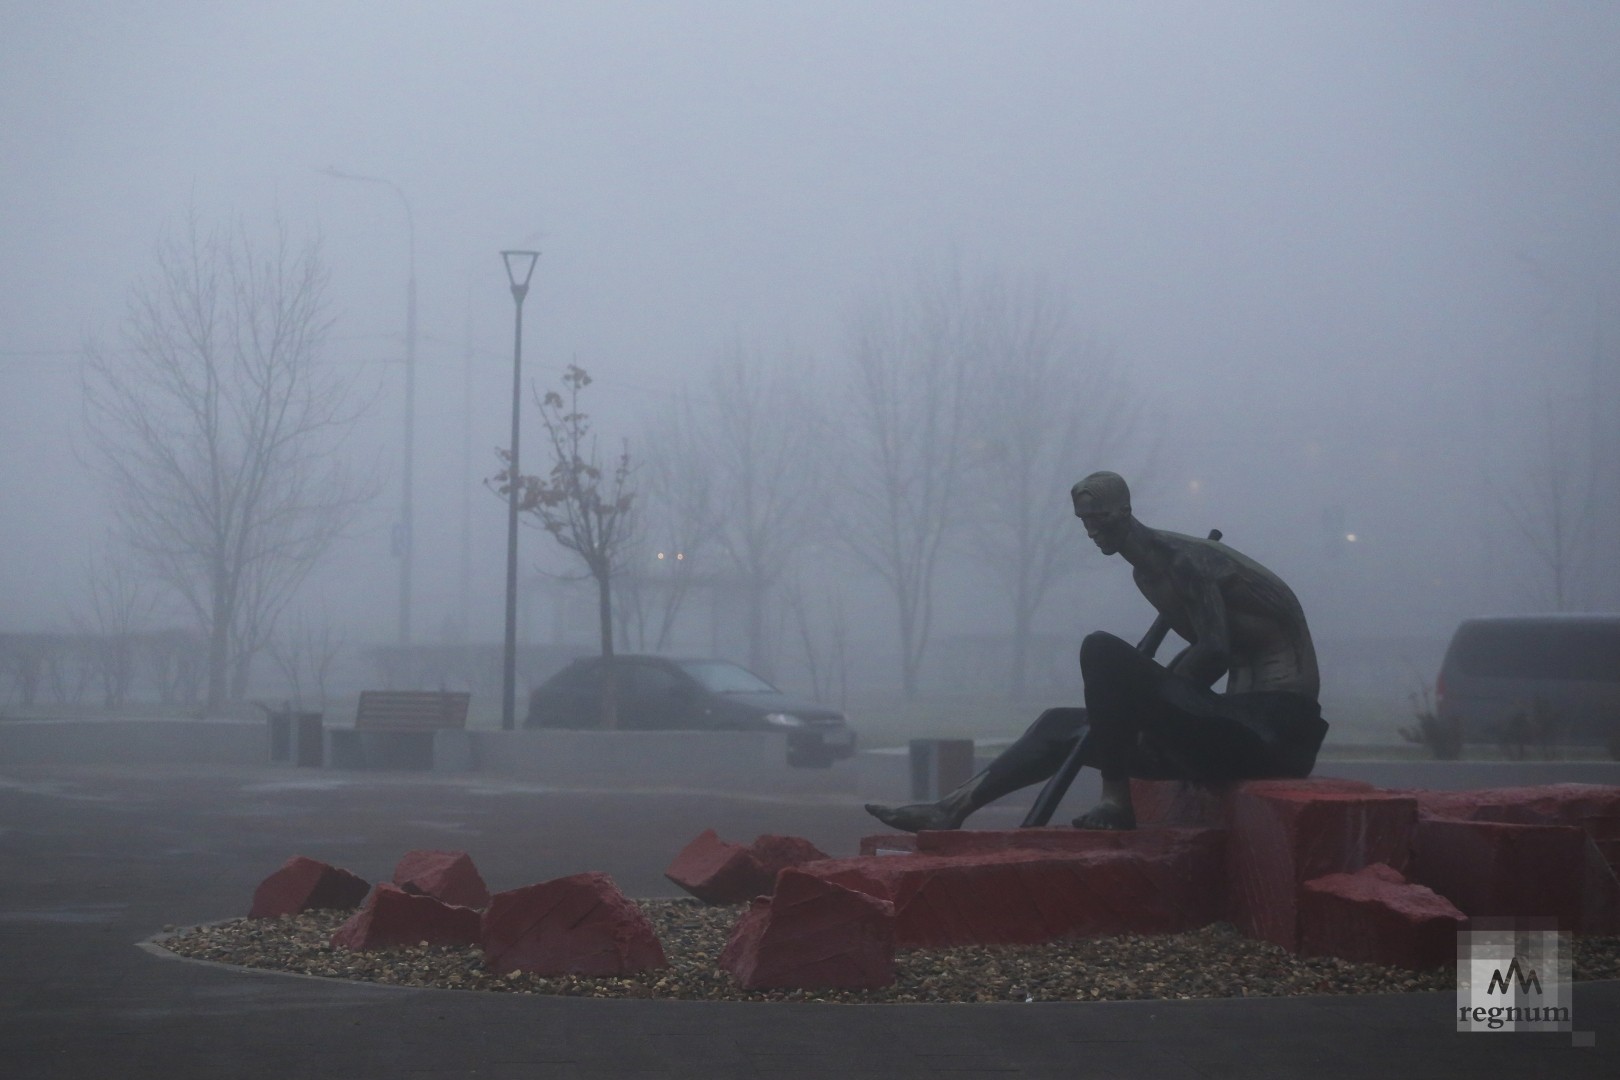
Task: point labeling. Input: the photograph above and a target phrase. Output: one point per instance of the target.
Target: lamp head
(519, 268)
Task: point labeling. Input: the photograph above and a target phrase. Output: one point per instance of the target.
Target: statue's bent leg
(1247, 736)
(1038, 753)
(1125, 692)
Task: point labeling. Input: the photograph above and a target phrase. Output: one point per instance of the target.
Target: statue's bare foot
(1107, 816)
(914, 818)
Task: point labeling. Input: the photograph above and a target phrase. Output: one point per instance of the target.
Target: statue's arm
(1209, 656)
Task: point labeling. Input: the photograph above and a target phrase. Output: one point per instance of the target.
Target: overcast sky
(1344, 247)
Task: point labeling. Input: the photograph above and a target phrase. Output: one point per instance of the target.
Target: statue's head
(1102, 502)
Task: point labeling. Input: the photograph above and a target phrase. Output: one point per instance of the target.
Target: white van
(1534, 672)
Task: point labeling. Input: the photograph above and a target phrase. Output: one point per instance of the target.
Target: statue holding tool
(1163, 722)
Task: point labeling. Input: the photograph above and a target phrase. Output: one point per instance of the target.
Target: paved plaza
(95, 859)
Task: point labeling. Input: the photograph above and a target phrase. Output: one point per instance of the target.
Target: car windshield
(719, 677)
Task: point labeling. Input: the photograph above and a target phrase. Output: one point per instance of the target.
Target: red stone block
(1493, 868)
(1545, 804)
(777, 853)
(1286, 832)
(1172, 802)
(1610, 850)
(1177, 802)
(1375, 916)
(304, 884)
(1062, 838)
(392, 916)
(717, 871)
(888, 843)
(813, 934)
(449, 876)
(1025, 897)
(1594, 807)
(578, 925)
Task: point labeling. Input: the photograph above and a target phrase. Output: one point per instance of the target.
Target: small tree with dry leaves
(584, 507)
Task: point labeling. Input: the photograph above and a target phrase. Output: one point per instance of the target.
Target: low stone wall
(134, 742)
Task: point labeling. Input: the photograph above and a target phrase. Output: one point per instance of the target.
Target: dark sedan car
(657, 693)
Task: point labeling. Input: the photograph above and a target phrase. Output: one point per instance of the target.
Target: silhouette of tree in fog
(899, 488)
(1048, 407)
(118, 606)
(217, 431)
(586, 510)
(762, 447)
(1552, 504)
(678, 525)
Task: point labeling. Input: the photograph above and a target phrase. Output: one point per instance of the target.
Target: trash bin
(297, 738)
(309, 739)
(280, 736)
(938, 765)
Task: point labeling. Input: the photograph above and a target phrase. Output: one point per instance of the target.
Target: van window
(1536, 649)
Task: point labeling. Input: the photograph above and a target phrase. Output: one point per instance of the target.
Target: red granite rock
(391, 916)
(888, 843)
(1545, 804)
(577, 925)
(717, 871)
(1605, 834)
(1286, 832)
(1376, 916)
(1495, 868)
(1594, 807)
(1176, 802)
(1063, 838)
(449, 876)
(305, 884)
(813, 934)
(777, 853)
(1025, 897)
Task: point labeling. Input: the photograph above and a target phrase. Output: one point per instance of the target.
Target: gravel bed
(1215, 961)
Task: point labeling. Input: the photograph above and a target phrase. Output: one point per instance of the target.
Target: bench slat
(411, 710)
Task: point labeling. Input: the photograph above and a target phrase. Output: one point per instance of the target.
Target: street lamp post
(404, 540)
(519, 268)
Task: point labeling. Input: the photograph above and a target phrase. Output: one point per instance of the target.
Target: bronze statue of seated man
(1152, 721)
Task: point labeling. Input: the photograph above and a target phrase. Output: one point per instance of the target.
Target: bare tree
(217, 431)
(119, 604)
(679, 525)
(903, 437)
(304, 654)
(177, 661)
(585, 510)
(761, 445)
(1047, 402)
(1552, 505)
(825, 641)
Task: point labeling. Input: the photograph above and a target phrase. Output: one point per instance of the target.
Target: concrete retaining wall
(134, 742)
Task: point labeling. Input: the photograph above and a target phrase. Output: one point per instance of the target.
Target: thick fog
(1355, 268)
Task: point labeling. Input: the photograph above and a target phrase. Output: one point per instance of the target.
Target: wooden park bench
(394, 729)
